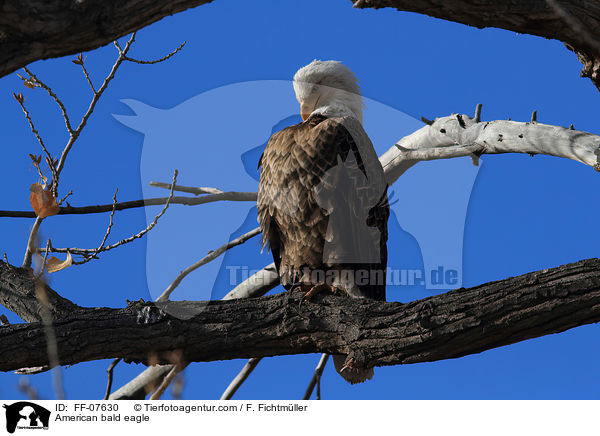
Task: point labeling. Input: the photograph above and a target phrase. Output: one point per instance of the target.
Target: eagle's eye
(314, 89)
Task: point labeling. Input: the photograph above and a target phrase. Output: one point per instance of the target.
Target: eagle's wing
(317, 178)
(357, 232)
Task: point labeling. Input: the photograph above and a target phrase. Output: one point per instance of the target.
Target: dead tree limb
(102, 208)
(451, 325)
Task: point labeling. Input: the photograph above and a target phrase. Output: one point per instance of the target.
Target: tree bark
(451, 325)
(17, 293)
(36, 29)
(42, 29)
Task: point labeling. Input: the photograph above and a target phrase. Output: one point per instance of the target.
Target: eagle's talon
(315, 290)
(348, 365)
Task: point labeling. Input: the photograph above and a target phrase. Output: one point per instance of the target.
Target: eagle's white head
(329, 88)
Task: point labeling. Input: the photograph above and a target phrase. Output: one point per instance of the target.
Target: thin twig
(21, 100)
(75, 134)
(196, 190)
(240, 378)
(35, 81)
(81, 61)
(31, 242)
(62, 200)
(103, 208)
(106, 234)
(101, 249)
(43, 264)
(164, 58)
(209, 257)
(165, 383)
(316, 378)
(109, 372)
(156, 373)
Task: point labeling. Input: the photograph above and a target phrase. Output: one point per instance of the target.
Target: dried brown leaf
(42, 201)
(53, 264)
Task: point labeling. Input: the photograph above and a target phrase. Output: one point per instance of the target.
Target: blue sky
(523, 213)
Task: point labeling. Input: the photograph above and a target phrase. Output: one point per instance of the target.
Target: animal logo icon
(26, 415)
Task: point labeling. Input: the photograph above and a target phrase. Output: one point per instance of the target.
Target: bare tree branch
(34, 81)
(90, 253)
(316, 378)
(187, 201)
(57, 166)
(109, 372)
(192, 189)
(460, 135)
(457, 136)
(447, 137)
(401, 158)
(21, 100)
(135, 389)
(256, 285)
(371, 333)
(212, 255)
(165, 383)
(31, 242)
(75, 133)
(240, 378)
(156, 61)
(80, 60)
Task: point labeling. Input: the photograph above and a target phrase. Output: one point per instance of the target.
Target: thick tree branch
(255, 286)
(17, 293)
(455, 324)
(41, 29)
(460, 135)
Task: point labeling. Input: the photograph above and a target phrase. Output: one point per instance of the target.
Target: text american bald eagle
(322, 200)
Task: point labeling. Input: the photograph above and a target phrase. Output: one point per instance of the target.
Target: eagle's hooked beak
(305, 111)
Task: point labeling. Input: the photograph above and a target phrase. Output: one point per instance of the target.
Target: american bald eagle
(322, 196)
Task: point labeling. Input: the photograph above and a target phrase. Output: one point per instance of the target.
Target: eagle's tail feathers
(351, 374)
